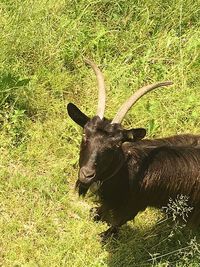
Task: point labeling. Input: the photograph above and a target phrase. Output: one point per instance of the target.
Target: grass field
(42, 45)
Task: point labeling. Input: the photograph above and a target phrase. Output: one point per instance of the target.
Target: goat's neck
(114, 190)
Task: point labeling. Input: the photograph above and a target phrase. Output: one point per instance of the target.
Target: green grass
(42, 44)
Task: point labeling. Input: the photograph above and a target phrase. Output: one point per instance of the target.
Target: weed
(178, 208)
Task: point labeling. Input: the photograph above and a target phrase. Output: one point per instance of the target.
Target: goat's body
(133, 173)
(150, 177)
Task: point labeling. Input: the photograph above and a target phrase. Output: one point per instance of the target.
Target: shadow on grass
(165, 244)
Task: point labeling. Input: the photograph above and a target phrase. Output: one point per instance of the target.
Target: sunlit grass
(42, 43)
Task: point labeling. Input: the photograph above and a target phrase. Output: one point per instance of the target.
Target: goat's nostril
(86, 175)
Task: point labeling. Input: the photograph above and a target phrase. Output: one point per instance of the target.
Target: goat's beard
(81, 188)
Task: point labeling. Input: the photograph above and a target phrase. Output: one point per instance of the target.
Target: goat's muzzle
(86, 178)
(86, 175)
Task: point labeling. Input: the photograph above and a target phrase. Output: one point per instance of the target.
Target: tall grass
(42, 44)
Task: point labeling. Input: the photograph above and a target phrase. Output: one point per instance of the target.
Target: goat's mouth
(82, 187)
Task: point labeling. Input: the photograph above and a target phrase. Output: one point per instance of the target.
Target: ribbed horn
(134, 98)
(101, 88)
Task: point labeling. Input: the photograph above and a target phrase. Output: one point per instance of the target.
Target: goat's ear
(76, 115)
(134, 135)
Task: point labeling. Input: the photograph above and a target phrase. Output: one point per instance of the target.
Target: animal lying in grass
(130, 173)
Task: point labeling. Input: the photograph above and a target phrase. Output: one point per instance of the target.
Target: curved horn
(101, 87)
(134, 98)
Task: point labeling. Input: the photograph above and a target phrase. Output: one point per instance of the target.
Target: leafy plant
(9, 87)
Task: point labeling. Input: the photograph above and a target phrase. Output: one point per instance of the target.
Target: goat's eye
(118, 145)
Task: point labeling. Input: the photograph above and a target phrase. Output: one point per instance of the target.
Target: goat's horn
(101, 87)
(134, 98)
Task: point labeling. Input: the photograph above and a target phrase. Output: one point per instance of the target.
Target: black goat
(133, 174)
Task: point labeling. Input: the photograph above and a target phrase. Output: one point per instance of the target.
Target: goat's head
(101, 151)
